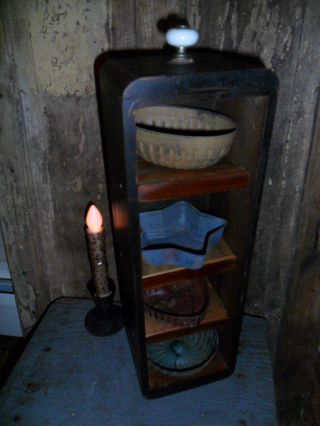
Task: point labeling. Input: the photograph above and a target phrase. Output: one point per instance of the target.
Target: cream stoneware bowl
(182, 137)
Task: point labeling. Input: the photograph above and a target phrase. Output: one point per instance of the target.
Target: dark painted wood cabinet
(245, 92)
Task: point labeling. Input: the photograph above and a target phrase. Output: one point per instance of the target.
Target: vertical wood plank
(22, 169)
(121, 24)
(274, 32)
(56, 160)
(298, 346)
(151, 15)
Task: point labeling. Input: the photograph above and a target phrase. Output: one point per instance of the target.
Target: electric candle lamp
(97, 251)
(105, 318)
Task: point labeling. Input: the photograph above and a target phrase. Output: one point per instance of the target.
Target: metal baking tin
(183, 303)
(179, 235)
(184, 356)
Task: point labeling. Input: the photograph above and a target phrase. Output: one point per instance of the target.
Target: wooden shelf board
(162, 183)
(157, 330)
(220, 259)
(158, 380)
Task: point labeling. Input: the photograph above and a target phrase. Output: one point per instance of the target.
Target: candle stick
(97, 251)
(105, 318)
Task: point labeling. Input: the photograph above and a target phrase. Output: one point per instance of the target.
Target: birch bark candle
(106, 317)
(97, 251)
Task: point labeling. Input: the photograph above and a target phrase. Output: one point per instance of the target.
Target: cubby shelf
(157, 183)
(160, 330)
(246, 93)
(220, 259)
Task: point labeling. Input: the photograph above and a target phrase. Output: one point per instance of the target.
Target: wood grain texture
(50, 148)
(23, 169)
(297, 351)
(284, 36)
(219, 259)
(151, 19)
(162, 183)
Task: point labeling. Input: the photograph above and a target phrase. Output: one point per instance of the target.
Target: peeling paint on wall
(67, 36)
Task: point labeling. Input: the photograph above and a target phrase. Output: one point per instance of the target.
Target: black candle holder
(105, 318)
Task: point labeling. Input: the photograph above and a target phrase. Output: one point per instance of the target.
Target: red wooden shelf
(157, 330)
(220, 259)
(161, 183)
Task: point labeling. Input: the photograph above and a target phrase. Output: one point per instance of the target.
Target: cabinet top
(122, 68)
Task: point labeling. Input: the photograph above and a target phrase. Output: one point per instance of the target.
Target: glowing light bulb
(94, 220)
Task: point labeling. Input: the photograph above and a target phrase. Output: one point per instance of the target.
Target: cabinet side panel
(122, 205)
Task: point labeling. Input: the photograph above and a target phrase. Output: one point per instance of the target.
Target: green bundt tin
(184, 356)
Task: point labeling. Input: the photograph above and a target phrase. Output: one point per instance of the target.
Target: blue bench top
(68, 377)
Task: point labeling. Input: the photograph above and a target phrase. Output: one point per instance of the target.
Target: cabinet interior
(226, 190)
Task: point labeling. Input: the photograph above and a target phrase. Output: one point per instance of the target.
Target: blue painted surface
(184, 233)
(68, 377)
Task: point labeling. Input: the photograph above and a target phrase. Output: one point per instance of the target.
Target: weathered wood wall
(296, 369)
(50, 154)
(51, 163)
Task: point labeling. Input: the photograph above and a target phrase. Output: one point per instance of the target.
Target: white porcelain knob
(182, 37)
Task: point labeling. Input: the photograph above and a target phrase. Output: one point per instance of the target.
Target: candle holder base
(105, 318)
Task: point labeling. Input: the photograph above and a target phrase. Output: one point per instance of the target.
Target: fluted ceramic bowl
(182, 137)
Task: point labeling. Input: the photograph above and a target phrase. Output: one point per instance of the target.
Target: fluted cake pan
(184, 356)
